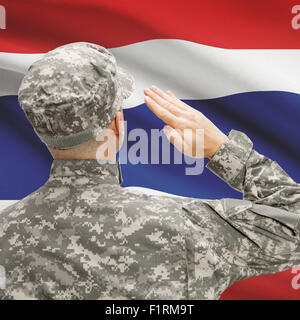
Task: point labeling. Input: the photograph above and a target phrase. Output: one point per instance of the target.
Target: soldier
(82, 236)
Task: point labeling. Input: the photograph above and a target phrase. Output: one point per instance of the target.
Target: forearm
(260, 179)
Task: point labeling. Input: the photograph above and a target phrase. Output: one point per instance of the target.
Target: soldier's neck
(89, 151)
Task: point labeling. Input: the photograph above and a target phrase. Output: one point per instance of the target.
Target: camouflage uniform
(82, 236)
(72, 93)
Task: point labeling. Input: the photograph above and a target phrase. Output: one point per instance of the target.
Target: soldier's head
(72, 95)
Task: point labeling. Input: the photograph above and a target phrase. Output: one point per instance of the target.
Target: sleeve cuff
(229, 162)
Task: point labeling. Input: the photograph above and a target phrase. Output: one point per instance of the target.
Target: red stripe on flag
(38, 26)
(280, 286)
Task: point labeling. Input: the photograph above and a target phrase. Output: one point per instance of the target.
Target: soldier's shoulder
(17, 209)
(150, 195)
(146, 201)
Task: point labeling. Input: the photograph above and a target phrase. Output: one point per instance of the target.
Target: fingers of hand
(163, 113)
(170, 97)
(167, 104)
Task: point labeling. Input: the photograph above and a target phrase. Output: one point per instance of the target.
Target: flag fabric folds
(237, 62)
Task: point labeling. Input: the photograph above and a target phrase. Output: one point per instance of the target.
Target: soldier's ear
(119, 122)
(113, 126)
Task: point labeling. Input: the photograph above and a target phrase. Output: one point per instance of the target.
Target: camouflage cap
(72, 93)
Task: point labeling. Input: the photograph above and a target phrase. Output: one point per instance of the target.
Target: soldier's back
(85, 237)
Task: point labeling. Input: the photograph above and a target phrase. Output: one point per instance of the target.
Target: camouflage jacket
(82, 236)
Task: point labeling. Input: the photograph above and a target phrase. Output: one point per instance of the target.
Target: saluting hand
(179, 116)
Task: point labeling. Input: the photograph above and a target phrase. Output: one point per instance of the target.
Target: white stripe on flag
(6, 203)
(191, 70)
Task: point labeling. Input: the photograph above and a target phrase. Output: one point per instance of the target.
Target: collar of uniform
(100, 173)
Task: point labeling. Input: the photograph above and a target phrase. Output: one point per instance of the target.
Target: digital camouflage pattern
(73, 92)
(82, 236)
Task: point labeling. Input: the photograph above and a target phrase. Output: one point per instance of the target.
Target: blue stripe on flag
(271, 120)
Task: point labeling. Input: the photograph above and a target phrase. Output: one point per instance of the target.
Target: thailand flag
(236, 61)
